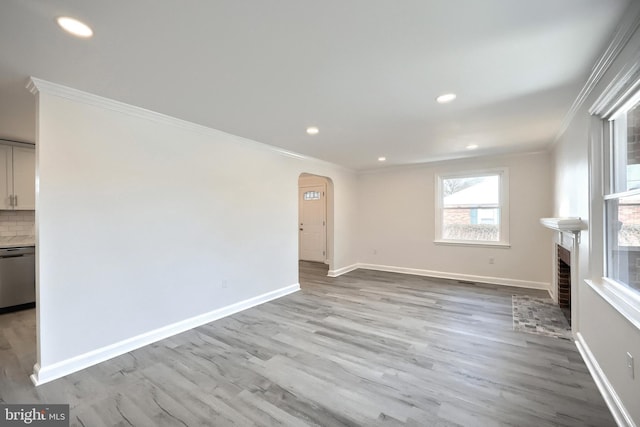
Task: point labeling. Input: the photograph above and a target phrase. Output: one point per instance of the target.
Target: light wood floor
(364, 349)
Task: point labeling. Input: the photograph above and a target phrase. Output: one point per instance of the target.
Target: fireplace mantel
(566, 224)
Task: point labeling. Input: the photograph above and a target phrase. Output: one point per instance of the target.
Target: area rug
(539, 316)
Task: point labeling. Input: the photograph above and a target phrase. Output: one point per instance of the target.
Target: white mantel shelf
(567, 224)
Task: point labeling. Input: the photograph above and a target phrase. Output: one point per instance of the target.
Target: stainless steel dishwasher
(17, 277)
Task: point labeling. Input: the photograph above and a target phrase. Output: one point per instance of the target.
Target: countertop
(17, 241)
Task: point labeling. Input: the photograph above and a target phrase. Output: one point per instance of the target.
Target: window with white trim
(472, 208)
(622, 196)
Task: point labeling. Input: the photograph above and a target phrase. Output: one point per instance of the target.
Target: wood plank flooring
(364, 349)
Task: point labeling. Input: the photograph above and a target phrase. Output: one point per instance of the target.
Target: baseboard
(343, 270)
(610, 396)
(457, 276)
(44, 374)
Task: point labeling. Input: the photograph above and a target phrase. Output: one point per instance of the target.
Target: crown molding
(462, 163)
(36, 85)
(624, 32)
(619, 90)
(31, 85)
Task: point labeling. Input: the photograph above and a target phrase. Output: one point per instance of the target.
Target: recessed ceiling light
(75, 27)
(472, 146)
(382, 159)
(447, 97)
(313, 130)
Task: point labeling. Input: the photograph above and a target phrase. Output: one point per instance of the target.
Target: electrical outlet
(375, 252)
(224, 284)
(491, 261)
(630, 365)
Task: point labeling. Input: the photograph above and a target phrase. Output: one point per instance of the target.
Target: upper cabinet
(17, 178)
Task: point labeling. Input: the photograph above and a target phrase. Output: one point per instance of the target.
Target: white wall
(397, 223)
(606, 333)
(140, 223)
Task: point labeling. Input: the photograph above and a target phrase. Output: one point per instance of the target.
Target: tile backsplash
(17, 223)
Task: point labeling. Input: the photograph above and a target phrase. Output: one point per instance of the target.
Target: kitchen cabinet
(17, 177)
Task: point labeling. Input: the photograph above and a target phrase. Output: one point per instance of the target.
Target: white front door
(312, 224)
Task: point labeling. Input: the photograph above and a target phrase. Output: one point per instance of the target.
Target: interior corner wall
(607, 333)
(397, 223)
(143, 224)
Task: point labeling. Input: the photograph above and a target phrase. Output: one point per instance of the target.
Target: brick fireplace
(563, 280)
(565, 253)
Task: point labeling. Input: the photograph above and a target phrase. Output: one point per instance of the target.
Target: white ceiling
(366, 72)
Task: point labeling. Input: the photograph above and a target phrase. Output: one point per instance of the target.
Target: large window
(622, 196)
(472, 208)
(614, 190)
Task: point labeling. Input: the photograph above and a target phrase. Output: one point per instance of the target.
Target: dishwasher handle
(16, 252)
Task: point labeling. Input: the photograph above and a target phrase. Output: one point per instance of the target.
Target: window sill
(498, 245)
(627, 304)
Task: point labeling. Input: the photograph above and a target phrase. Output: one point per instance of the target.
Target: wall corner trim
(621, 37)
(32, 85)
(610, 396)
(343, 270)
(45, 374)
(36, 85)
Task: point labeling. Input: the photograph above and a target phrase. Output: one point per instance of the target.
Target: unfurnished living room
(328, 213)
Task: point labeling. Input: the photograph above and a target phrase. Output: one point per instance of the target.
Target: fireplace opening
(564, 281)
